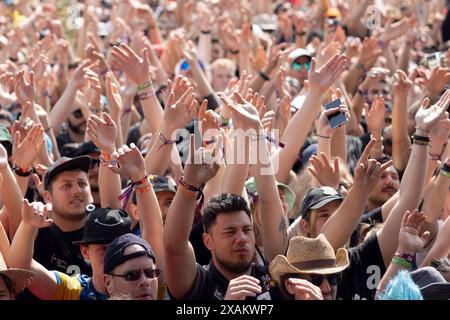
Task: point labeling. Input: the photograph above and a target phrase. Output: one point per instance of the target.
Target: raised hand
(324, 173)
(409, 240)
(130, 162)
(25, 151)
(3, 158)
(368, 171)
(209, 119)
(375, 116)
(102, 132)
(78, 75)
(199, 167)
(402, 83)
(137, 69)
(243, 113)
(25, 90)
(439, 136)
(303, 289)
(323, 78)
(113, 95)
(178, 113)
(370, 51)
(35, 214)
(437, 80)
(426, 118)
(242, 287)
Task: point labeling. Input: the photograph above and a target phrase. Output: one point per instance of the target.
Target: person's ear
(108, 283)
(47, 196)
(134, 212)
(305, 227)
(84, 251)
(207, 240)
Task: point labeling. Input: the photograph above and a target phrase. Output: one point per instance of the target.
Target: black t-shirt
(53, 249)
(374, 216)
(63, 138)
(210, 284)
(360, 280)
(202, 254)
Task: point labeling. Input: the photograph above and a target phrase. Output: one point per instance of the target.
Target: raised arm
(131, 164)
(441, 247)
(401, 142)
(343, 222)
(180, 258)
(412, 185)
(297, 130)
(103, 133)
(409, 243)
(34, 216)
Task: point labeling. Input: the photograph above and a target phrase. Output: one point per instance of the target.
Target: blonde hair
(223, 63)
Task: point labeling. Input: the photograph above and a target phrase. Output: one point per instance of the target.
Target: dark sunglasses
(317, 279)
(78, 114)
(298, 65)
(134, 275)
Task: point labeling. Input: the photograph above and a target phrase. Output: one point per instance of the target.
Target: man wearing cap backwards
(67, 188)
(130, 269)
(103, 225)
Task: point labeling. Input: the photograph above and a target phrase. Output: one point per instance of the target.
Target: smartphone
(336, 119)
(434, 60)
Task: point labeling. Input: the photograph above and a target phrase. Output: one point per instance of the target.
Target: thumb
(425, 103)
(425, 236)
(146, 56)
(36, 179)
(17, 137)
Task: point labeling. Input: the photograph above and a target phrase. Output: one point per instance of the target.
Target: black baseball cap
(66, 164)
(115, 256)
(103, 225)
(316, 198)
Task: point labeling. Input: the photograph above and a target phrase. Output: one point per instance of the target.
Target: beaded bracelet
(199, 191)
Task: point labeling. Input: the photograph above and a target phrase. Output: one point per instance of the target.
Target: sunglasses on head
(317, 279)
(298, 65)
(78, 114)
(134, 275)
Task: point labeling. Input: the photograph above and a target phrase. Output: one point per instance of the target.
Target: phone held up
(336, 119)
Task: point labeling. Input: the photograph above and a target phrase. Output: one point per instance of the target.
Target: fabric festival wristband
(144, 86)
(20, 172)
(126, 194)
(199, 191)
(416, 137)
(146, 95)
(408, 257)
(401, 262)
(164, 140)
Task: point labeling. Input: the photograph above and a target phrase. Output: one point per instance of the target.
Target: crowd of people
(224, 150)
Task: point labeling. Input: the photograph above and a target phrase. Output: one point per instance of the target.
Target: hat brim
(289, 195)
(82, 163)
(325, 201)
(281, 266)
(436, 291)
(20, 278)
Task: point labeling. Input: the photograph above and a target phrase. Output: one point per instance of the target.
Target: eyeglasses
(317, 279)
(134, 275)
(297, 66)
(78, 114)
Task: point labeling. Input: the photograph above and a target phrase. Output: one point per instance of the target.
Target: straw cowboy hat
(309, 256)
(20, 278)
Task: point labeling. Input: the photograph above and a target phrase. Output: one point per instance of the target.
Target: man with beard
(73, 131)
(66, 186)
